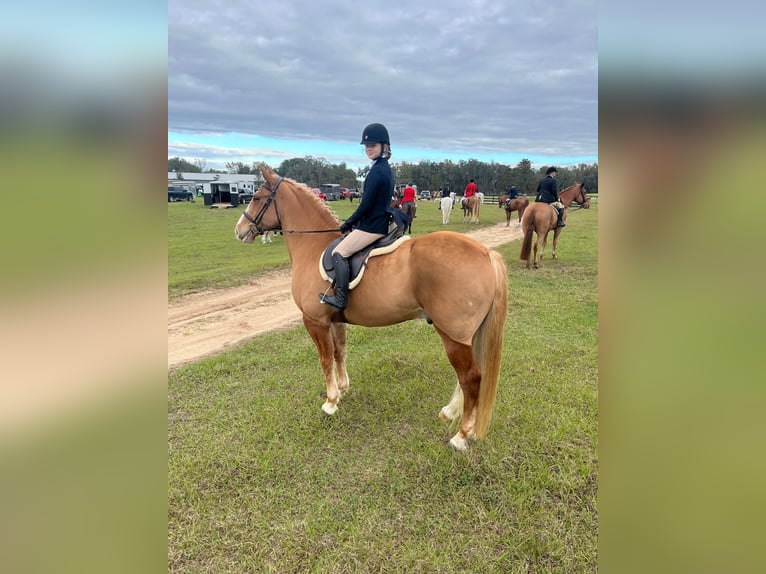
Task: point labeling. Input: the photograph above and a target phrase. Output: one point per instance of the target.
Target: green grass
(260, 480)
(203, 252)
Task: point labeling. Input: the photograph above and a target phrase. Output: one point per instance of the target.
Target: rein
(255, 222)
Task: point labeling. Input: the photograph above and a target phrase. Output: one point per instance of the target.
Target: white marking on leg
(345, 383)
(454, 408)
(333, 395)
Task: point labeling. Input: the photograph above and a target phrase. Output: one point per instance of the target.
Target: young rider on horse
(547, 192)
(371, 219)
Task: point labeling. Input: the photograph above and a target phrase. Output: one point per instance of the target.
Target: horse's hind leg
(469, 378)
(324, 341)
(339, 354)
(539, 245)
(555, 241)
(544, 244)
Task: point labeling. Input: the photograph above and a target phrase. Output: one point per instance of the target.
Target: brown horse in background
(541, 218)
(415, 281)
(519, 204)
(471, 206)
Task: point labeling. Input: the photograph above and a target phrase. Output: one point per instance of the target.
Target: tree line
(491, 178)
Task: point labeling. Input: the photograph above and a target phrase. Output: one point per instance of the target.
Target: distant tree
(314, 171)
(524, 176)
(178, 164)
(201, 164)
(237, 167)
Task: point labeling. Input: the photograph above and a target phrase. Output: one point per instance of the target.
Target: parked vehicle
(178, 193)
(425, 195)
(331, 191)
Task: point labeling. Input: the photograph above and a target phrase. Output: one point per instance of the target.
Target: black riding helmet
(375, 133)
(550, 170)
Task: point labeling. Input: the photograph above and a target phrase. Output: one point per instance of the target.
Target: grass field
(260, 480)
(203, 252)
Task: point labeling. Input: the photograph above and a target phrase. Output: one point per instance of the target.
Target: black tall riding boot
(340, 299)
(561, 218)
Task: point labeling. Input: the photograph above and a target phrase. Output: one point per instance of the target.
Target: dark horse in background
(410, 208)
(519, 204)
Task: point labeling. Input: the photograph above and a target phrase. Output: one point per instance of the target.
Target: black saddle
(358, 260)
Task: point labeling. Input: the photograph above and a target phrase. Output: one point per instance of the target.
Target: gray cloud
(479, 76)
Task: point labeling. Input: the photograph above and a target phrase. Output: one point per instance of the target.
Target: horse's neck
(300, 221)
(567, 196)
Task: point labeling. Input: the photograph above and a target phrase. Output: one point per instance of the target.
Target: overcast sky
(268, 80)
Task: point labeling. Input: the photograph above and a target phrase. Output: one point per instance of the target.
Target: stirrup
(325, 300)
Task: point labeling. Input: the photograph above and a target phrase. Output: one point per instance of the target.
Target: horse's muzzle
(247, 237)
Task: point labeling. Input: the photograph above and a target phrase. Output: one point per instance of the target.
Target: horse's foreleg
(508, 218)
(466, 394)
(339, 354)
(323, 339)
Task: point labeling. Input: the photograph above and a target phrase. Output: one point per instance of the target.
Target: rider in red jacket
(408, 194)
(470, 190)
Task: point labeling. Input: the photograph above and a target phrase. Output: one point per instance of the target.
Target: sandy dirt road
(208, 322)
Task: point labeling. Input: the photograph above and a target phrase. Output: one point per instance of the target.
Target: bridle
(581, 195)
(255, 222)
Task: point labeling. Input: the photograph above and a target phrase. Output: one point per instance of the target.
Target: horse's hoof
(329, 409)
(446, 415)
(458, 443)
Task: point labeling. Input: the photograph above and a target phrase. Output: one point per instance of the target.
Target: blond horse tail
(529, 226)
(488, 347)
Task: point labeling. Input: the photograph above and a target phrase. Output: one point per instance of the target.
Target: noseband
(255, 222)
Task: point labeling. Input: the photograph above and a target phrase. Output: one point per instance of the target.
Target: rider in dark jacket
(371, 219)
(547, 192)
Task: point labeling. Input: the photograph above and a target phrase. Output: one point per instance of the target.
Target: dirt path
(207, 322)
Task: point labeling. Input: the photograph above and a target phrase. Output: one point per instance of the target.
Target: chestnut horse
(471, 207)
(416, 281)
(541, 218)
(519, 204)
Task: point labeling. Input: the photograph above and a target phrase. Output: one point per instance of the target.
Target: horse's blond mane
(303, 189)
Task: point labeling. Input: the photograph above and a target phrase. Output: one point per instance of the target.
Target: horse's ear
(268, 173)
